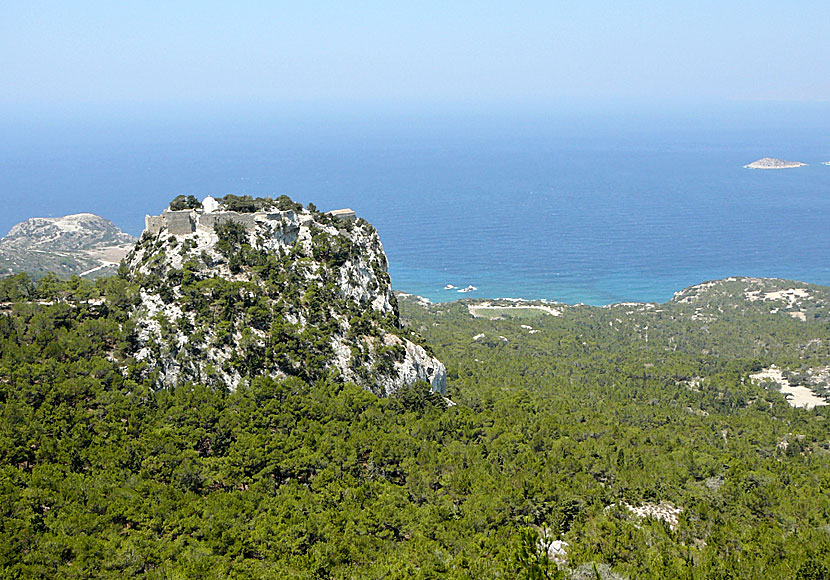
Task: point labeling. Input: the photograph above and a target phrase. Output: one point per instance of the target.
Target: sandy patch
(109, 254)
(790, 295)
(488, 310)
(797, 395)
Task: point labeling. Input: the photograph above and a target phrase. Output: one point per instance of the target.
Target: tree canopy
(546, 436)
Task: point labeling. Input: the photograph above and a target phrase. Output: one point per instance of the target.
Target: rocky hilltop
(81, 244)
(240, 287)
(771, 163)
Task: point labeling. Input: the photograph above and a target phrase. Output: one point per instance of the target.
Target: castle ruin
(211, 215)
(187, 221)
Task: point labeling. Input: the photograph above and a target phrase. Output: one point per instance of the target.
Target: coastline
(588, 298)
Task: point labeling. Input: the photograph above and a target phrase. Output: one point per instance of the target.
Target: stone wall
(179, 222)
(154, 223)
(209, 221)
(188, 221)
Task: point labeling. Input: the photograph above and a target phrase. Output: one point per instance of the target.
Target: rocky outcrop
(283, 290)
(771, 163)
(81, 244)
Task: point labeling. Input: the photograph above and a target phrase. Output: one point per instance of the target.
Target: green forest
(553, 431)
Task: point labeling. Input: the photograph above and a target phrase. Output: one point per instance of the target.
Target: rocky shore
(771, 163)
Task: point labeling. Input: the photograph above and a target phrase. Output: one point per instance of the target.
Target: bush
(418, 397)
(231, 232)
(16, 288)
(181, 202)
(242, 203)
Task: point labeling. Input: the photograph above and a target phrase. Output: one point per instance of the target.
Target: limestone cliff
(232, 290)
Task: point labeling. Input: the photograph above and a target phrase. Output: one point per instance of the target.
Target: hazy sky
(58, 53)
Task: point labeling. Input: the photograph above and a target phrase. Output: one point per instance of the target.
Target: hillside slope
(270, 288)
(621, 442)
(81, 244)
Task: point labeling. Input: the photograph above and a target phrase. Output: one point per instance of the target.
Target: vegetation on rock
(248, 204)
(551, 435)
(287, 293)
(181, 202)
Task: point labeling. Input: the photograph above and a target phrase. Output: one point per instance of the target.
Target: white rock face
(300, 289)
(417, 365)
(663, 511)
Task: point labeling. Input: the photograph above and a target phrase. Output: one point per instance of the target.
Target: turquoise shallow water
(595, 209)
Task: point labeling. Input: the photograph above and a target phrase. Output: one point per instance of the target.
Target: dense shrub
(181, 202)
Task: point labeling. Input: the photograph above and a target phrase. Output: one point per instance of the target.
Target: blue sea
(593, 205)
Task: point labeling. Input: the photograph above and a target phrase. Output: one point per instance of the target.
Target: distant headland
(771, 163)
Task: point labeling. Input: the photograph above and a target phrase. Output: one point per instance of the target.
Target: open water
(593, 206)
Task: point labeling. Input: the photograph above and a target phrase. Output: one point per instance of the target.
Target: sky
(56, 54)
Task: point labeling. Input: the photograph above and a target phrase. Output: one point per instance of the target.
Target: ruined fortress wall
(153, 223)
(188, 221)
(179, 222)
(209, 221)
(206, 222)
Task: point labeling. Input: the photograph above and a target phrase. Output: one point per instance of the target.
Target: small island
(771, 163)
